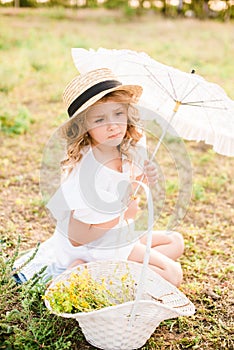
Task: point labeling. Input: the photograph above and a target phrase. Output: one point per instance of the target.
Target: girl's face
(107, 123)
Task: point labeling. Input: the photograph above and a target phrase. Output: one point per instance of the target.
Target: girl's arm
(80, 233)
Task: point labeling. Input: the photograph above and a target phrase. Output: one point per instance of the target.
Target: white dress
(95, 194)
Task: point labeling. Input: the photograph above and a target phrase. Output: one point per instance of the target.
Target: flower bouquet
(101, 296)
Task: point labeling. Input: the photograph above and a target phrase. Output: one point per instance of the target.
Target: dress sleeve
(89, 205)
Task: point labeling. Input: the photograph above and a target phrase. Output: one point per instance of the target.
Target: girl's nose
(112, 125)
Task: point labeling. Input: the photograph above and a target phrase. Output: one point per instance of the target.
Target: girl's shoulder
(138, 155)
(139, 151)
(76, 168)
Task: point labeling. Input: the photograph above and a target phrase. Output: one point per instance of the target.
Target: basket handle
(147, 251)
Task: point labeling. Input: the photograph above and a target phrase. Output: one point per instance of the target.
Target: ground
(36, 66)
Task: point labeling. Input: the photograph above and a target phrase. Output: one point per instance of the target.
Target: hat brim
(134, 90)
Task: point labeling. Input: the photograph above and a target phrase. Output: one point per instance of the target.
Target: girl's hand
(133, 207)
(150, 172)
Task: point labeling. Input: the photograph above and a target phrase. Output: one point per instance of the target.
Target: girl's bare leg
(160, 263)
(169, 243)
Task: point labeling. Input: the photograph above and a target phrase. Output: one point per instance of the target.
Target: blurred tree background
(202, 9)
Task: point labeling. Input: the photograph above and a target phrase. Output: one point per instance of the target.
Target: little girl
(93, 207)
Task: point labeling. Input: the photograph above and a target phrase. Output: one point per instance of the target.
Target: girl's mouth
(115, 136)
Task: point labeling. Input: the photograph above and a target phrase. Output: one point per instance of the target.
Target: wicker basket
(114, 327)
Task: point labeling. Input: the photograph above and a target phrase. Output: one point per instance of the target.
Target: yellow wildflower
(82, 293)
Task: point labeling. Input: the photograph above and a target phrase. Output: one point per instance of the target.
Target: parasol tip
(193, 71)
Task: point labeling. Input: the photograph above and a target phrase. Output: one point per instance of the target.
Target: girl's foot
(75, 263)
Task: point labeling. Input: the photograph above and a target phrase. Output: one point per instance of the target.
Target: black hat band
(91, 92)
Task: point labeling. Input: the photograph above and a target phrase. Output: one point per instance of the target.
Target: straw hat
(86, 89)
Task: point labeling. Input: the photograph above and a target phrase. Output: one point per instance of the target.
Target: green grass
(15, 123)
(25, 322)
(35, 66)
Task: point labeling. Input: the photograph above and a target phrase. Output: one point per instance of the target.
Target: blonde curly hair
(77, 137)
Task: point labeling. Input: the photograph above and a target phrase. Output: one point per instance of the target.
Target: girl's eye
(119, 113)
(98, 120)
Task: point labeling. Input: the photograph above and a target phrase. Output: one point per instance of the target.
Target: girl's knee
(178, 241)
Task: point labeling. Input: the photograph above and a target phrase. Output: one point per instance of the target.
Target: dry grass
(35, 66)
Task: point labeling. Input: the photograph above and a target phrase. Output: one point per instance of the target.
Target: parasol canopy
(196, 109)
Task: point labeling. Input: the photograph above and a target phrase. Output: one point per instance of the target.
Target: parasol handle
(159, 142)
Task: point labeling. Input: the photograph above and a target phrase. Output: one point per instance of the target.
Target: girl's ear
(86, 136)
(73, 131)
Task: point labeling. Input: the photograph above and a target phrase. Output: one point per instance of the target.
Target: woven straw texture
(83, 82)
(113, 328)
